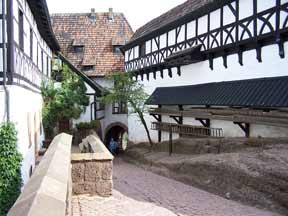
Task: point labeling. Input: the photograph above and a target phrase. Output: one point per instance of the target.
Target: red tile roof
(97, 38)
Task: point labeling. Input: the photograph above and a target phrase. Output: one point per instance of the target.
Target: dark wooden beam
(204, 122)
(177, 119)
(160, 120)
(170, 72)
(179, 71)
(156, 117)
(245, 127)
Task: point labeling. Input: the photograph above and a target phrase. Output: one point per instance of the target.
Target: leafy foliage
(88, 125)
(68, 100)
(10, 168)
(128, 90)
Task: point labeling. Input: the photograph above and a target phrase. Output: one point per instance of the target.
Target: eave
(182, 20)
(40, 11)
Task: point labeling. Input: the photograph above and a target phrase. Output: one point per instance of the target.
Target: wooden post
(159, 131)
(170, 140)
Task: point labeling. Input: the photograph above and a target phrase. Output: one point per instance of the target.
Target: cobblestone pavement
(141, 193)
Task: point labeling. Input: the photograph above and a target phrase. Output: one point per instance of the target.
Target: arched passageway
(119, 133)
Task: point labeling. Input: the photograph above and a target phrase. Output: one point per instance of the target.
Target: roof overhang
(253, 93)
(180, 21)
(41, 13)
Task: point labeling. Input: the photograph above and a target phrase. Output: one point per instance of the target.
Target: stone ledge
(46, 192)
(92, 172)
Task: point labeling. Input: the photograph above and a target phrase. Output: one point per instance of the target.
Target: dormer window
(117, 50)
(87, 68)
(78, 46)
(78, 49)
(117, 42)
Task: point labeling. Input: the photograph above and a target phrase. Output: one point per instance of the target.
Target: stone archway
(116, 131)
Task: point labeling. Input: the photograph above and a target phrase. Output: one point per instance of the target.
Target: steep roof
(257, 93)
(97, 38)
(182, 13)
(41, 14)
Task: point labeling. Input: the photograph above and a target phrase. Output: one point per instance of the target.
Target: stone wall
(92, 172)
(47, 192)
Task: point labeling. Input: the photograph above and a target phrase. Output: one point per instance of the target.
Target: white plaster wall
(2, 105)
(272, 66)
(109, 117)
(22, 102)
(30, 22)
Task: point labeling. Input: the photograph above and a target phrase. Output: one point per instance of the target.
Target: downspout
(7, 99)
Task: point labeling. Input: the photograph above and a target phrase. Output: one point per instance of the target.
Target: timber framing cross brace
(157, 117)
(205, 122)
(245, 127)
(178, 119)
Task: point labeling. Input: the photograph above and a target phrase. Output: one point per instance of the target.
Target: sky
(137, 12)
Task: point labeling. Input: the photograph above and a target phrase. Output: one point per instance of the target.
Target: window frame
(120, 108)
(21, 29)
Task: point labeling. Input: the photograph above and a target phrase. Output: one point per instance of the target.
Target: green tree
(126, 89)
(10, 168)
(67, 100)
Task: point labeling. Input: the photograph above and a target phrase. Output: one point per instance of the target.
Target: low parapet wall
(47, 191)
(92, 172)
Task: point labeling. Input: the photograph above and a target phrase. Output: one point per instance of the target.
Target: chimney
(111, 15)
(93, 15)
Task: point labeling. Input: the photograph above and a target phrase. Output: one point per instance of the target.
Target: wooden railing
(276, 118)
(197, 131)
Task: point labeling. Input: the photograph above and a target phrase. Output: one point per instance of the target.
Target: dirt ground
(252, 173)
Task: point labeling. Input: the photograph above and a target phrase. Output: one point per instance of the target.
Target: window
(117, 50)
(142, 50)
(37, 55)
(100, 106)
(47, 65)
(120, 108)
(88, 68)
(21, 30)
(42, 61)
(78, 49)
(31, 43)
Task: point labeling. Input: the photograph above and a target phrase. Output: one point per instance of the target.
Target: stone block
(78, 170)
(78, 188)
(106, 173)
(104, 188)
(90, 188)
(92, 171)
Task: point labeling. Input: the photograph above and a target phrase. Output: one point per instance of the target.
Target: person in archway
(112, 146)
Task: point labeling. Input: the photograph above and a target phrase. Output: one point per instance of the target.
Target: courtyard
(140, 192)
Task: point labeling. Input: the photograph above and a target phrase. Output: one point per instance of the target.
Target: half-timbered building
(213, 68)
(91, 42)
(27, 44)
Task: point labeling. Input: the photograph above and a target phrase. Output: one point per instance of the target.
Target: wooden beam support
(179, 71)
(205, 122)
(161, 73)
(160, 120)
(157, 117)
(170, 72)
(177, 119)
(147, 75)
(245, 127)
(154, 75)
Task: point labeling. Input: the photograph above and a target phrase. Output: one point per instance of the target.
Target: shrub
(88, 125)
(10, 168)
(67, 100)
